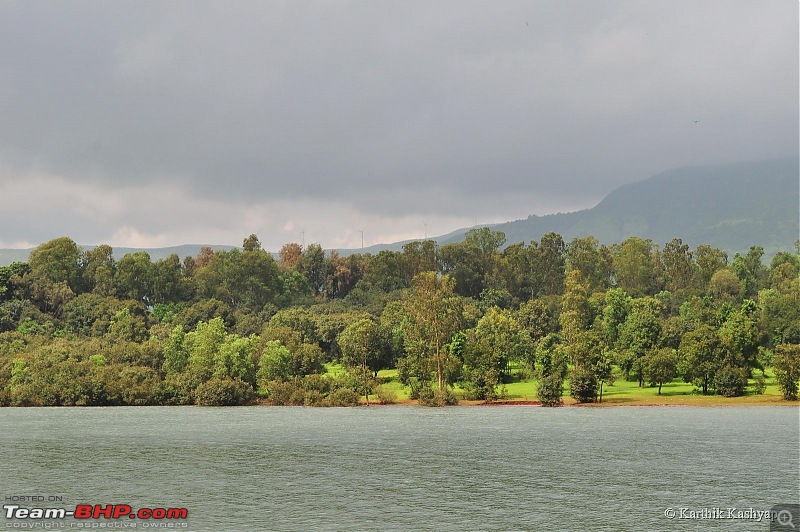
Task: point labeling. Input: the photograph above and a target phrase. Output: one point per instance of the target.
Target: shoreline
(678, 401)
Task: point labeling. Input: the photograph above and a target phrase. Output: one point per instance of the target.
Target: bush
(177, 389)
(280, 393)
(760, 385)
(223, 392)
(386, 395)
(549, 390)
(583, 385)
(342, 397)
(313, 398)
(730, 381)
(430, 397)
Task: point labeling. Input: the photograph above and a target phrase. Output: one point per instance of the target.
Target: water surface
(408, 468)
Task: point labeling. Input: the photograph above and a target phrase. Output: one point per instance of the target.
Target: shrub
(430, 397)
(386, 395)
(760, 385)
(313, 398)
(342, 397)
(223, 392)
(177, 389)
(549, 390)
(730, 381)
(583, 385)
(280, 393)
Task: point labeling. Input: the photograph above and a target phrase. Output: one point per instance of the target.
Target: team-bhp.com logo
(94, 511)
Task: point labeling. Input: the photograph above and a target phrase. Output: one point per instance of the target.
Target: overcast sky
(164, 123)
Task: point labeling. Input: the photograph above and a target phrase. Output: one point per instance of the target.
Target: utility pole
(303, 232)
(362, 239)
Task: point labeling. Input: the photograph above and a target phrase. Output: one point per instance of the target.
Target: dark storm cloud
(454, 108)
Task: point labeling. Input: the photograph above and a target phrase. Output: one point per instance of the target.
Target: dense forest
(78, 327)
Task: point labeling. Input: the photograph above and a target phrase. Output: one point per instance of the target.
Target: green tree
(739, 335)
(175, 352)
(633, 267)
(98, 267)
(234, 359)
(314, 266)
(787, 369)
(59, 262)
(274, 364)
(708, 261)
(133, 278)
(583, 385)
(751, 272)
(640, 332)
(203, 344)
(167, 277)
(700, 356)
(418, 256)
(223, 392)
(549, 390)
(575, 314)
(433, 314)
(498, 340)
(724, 286)
(660, 366)
(615, 312)
(251, 243)
(551, 356)
(549, 262)
(591, 260)
(679, 266)
(364, 345)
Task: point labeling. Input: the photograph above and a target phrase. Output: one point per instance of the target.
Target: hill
(731, 207)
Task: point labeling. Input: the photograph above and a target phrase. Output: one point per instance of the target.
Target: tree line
(78, 327)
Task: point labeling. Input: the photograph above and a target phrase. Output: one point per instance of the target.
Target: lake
(407, 468)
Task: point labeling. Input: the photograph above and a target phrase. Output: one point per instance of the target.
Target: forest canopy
(78, 327)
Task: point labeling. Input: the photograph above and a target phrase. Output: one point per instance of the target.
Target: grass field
(621, 393)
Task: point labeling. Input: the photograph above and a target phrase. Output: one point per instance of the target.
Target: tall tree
(98, 267)
(290, 254)
(708, 261)
(498, 339)
(787, 369)
(367, 347)
(679, 266)
(640, 333)
(633, 267)
(750, 270)
(700, 356)
(58, 261)
(549, 261)
(134, 277)
(251, 243)
(585, 255)
(575, 310)
(433, 315)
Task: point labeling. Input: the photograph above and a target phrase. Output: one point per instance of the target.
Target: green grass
(621, 392)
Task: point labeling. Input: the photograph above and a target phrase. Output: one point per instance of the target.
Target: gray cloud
(445, 110)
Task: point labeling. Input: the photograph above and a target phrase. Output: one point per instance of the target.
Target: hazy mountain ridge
(730, 206)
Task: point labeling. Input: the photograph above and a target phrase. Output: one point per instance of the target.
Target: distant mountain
(731, 207)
